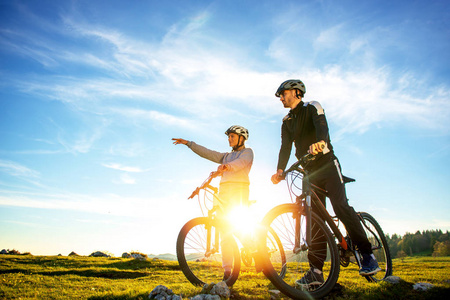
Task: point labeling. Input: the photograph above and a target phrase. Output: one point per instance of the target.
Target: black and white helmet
(290, 85)
(239, 130)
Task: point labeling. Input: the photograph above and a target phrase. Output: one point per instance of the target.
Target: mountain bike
(200, 242)
(304, 232)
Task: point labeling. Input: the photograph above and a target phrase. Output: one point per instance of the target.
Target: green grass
(56, 277)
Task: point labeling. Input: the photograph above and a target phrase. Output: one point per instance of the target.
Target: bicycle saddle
(347, 179)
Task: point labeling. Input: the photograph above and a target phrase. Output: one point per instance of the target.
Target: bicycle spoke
(322, 252)
(201, 263)
(380, 247)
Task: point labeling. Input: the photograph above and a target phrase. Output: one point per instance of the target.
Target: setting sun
(243, 219)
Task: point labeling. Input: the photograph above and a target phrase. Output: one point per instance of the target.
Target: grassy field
(58, 277)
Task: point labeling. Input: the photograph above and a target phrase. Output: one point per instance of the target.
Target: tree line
(429, 242)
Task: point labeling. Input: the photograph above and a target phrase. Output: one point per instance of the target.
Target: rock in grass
(422, 286)
(162, 292)
(207, 287)
(206, 297)
(99, 254)
(274, 294)
(221, 289)
(393, 279)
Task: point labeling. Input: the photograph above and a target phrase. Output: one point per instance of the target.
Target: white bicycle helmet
(239, 130)
(290, 85)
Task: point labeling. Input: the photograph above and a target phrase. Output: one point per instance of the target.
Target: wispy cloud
(103, 204)
(27, 224)
(17, 170)
(192, 71)
(329, 37)
(120, 167)
(356, 101)
(152, 115)
(125, 179)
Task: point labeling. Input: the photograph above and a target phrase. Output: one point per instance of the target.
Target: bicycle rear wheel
(199, 265)
(380, 246)
(283, 220)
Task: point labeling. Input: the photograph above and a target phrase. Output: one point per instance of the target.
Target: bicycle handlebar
(206, 184)
(194, 193)
(304, 160)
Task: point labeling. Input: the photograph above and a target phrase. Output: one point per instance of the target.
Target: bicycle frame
(307, 199)
(201, 241)
(211, 248)
(212, 243)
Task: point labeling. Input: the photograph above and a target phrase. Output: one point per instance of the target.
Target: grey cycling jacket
(239, 161)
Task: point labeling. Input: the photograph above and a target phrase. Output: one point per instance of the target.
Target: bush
(442, 249)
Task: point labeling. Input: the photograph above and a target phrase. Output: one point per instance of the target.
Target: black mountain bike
(301, 230)
(199, 243)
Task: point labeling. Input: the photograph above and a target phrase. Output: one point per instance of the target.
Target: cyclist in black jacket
(306, 126)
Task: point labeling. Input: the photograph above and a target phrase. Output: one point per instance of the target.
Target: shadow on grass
(110, 274)
(401, 291)
(38, 263)
(234, 295)
(121, 297)
(135, 264)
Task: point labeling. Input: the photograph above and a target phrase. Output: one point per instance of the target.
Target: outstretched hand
(179, 141)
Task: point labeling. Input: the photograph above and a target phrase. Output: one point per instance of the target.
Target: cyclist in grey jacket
(234, 184)
(235, 165)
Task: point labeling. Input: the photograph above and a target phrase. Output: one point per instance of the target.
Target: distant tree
(442, 249)
(401, 254)
(407, 244)
(421, 243)
(417, 243)
(393, 242)
(444, 237)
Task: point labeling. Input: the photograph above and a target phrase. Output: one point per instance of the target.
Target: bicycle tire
(274, 248)
(246, 257)
(282, 220)
(277, 255)
(198, 266)
(380, 247)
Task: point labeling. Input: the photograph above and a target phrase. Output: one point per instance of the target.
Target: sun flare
(243, 220)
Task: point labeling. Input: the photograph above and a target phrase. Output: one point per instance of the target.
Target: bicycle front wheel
(289, 223)
(380, 246)
(199, 253)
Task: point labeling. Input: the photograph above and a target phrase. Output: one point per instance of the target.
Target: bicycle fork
(211, 248)
(303, 245)
(305, 200)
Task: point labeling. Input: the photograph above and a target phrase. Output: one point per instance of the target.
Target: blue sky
(91, 93)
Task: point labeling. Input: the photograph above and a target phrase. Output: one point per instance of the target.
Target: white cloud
(17, 170)
(192, 72)
(119, 167)
(356, 101)
(329, 38)
(127, 179)
(104, 204)
(153, 115)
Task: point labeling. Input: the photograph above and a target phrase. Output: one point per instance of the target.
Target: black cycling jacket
(304, 125)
